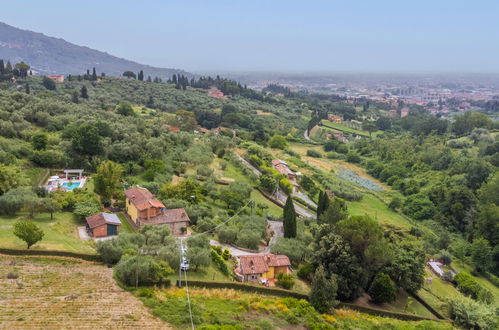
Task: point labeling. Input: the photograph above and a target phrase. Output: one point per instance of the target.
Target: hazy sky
(274, 35)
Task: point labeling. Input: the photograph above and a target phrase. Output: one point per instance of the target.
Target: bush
(445, 257)
(227, 234)
(314, 153)
(12, 276)
(353, 157)
(285, 281)
(305, 272)
(226, 254)
(293, 248)
(248, 239)
(470, 287)
(382, 289)
(470, 314)
(221, 264)
(142, 270)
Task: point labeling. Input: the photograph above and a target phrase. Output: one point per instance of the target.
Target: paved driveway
(82, 231)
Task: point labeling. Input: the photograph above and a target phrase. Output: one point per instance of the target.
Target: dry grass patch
(61, 293)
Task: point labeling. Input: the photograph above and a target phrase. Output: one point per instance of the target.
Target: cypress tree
(27, 89)
(140, 76)
(94, 75)
(323, 203)
(8, 68)
(323, 292)
(2, 67)
(74, 97)
(84, 92)
(319, 205)
(149, 79)
(289, 219)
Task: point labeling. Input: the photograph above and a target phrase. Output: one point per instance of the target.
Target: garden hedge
(87, 257)
(247, 287)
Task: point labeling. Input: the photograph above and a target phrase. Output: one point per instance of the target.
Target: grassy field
(52, 293)
(344, 128)
(436, 292)
(377, 210)
(231, 309)
(60, 233)
(125, 225)
(272, 210)
(210, 273)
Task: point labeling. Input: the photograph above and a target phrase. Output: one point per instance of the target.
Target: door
(112, 230)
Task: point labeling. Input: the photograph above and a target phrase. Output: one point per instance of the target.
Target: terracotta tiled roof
(176, 215)
(100, 219)
(260, 263)
(277, 260)
(169, 216)
(252, 264)
(143, 199)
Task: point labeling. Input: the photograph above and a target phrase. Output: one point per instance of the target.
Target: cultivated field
(68, 294)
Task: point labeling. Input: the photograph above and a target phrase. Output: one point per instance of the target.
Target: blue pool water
(71, 186)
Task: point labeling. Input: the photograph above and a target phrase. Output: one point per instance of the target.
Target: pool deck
(56, 183)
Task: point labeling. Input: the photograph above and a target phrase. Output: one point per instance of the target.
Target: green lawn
(377, 210)
(344, 128)
(436, 292)
(125, 225)
(235, 173)
(211, 273)
(60, 233)
(407, 304)
(273, 209)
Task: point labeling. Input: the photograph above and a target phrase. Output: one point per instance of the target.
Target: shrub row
(470, 287)
(248, 288)
(15, 252)
(383, 313)
(222, 265)
(302, 202)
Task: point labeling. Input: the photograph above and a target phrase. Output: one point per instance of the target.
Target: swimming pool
(71, 185)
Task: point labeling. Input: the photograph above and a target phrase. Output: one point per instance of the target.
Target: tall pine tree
(2, 67)
(289, 219)
(140, 76)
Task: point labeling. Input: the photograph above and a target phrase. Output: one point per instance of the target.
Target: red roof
(143, 199)
(100, 219)
(169, 216)
(260, 263)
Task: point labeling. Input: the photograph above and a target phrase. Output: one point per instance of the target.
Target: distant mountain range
(48, 55)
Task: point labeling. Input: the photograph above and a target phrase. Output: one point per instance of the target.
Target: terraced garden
(58, 293)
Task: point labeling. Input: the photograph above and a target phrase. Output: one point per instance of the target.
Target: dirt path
(52, 293)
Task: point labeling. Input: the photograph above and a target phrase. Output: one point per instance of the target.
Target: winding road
(281, 197)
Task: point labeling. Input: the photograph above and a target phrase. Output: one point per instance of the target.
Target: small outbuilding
(103, 225)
